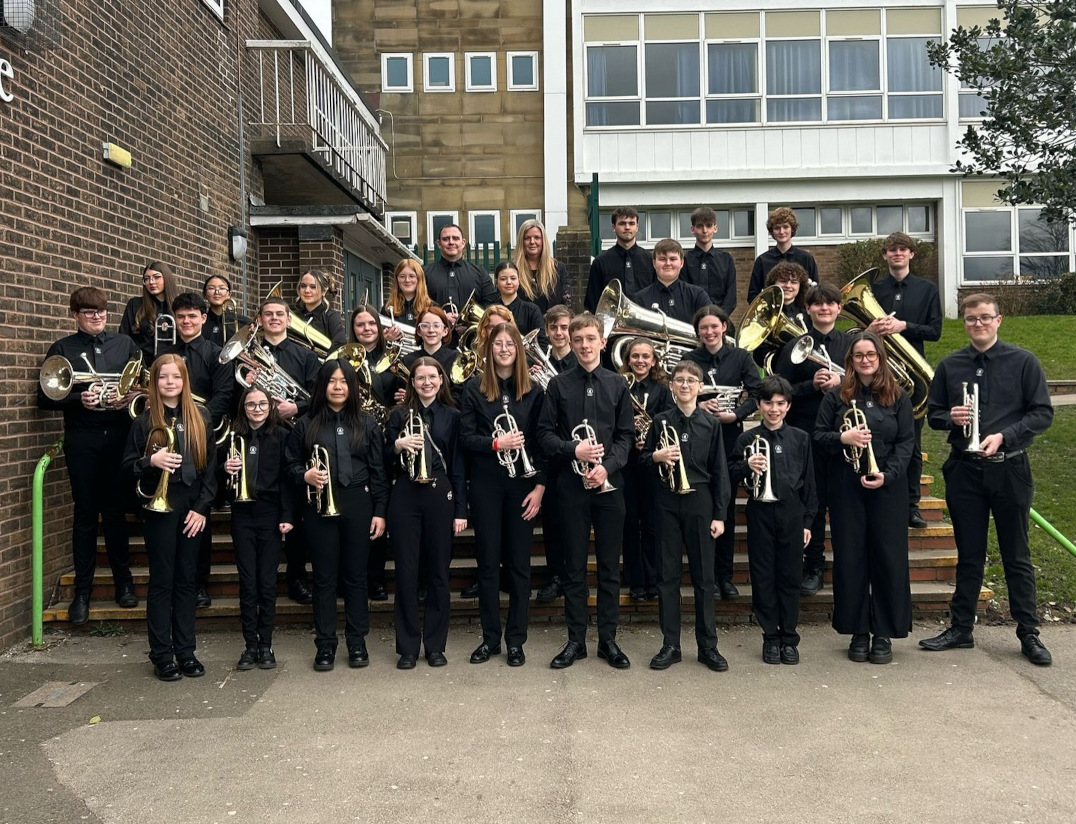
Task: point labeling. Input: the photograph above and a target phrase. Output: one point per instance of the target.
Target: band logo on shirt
(590, 391)
(778, 449)
(253, 450)
(339, 430)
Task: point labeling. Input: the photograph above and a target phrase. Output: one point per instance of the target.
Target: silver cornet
(541, 367)
(761, 483)
(504, 424)
(855, 419)
(322, 499)
(727, 397)
(415, 462)
(585, 433)
(674, 476)
(971, 428)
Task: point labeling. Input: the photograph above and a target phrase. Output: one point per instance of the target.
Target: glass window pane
(605, 222)
(438, 72)
(732, 111)
(806, 221)
(440, 222)
(794, 67)
(973, 105)
(396, 72)
(481, 71)
(661, 224)
(854, 66)
(520, 218)
(612, 71)
(670, 112)
(918, 219)
(890, 219)
(1044, 267)
(402, 229)
(522, 70)
(743, 221)
(672, 70)
(685, 224)
(987, 268)
(862, 220)
(642, 227)
(988, 232)
(485, 229)
(1036, 235)
(613, 114)
(791, 109)
(908, 67)
(830, 220)
(854, 108)
(732, 68)
(722, 232)
(915, 107)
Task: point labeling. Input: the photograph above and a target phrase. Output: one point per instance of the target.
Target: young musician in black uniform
(95, 434)
(627, 261)
(451, 279)
(868, 516)
(222, 322)
(173, 536)
(507, 484)
(258, 524)
(408, 297)
(670, 293)
(792, 279)
(432, 333)
(526, 314)
(1013, 407)
(777, 530)
(707, 267)
(782, 226)
(428, 507)
(811, 380)
(315, 293)
(139, 321)
(724, 365)
(355, 484)
(692, 520)
(547, 277)
(915, 312)
(595, 396)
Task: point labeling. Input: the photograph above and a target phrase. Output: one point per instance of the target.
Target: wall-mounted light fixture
(17, 14)
(237, 242)
(116, 155)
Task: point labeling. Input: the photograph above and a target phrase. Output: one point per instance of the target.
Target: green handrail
(1052, 532)
(38, 564)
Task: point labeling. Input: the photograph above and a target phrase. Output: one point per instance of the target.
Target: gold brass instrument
(239, 483)
(642, 419)
(541, 367)
(805, 350)
(58, 377)
(855, 419)
(503, 424)
(322, 499)
(164, 333)
(674, 476)
(859, 304)
(471, 313)
(971, 428)
(233, 307)
(622, 317)
(466, 362)
(765, 327)
(761, 483)
(299, 330)
(255, 366)
(158, 501)
(585, 432)
(414, 463)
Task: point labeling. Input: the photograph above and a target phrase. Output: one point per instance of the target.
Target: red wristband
(494, 444)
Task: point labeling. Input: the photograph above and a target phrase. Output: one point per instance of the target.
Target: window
(732, 83)
(396, 74)
(216, 5)
(862, 220)
(440, 72)
(484, 228)
(873, 221)
(402, 226)
(522, 71)
(805, 216)
(519, 216)
(831, 221)
(793, 80)
(1002, 243)
(481, 72)
(972, 104)
(672, 84)
(656, 224)
(855, 80)
(612, 80)
(435, 221)
(914, 85)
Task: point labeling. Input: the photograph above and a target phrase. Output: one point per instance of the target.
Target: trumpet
(675, 476)
(642, 419)
(805, 350)
(971, 428)
(158, 501)
(855, 419)
(58, 377)
(504, 424)
(322, 498)
(542, 369)
(414, 463)
(761, 485)
(585, 432)
(239, 483)
(164, 332)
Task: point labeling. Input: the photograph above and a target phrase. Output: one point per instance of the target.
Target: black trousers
(915, 466)
(257, 542)
(580, 510)
(975, 490)
(814, 555)
(97, 489)
(502, 539)
(725, 545)
(684, 521)
(295, 544)
(551, 526)
(775, 553)
(640, 528)
(338, 550)
(375, 565)
(871, 581)
(172, 558)
(420, 520)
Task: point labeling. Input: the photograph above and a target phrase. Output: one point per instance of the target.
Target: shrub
(855, 258)
(1052, 296)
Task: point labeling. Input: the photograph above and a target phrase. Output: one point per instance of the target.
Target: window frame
(758, 95)
(888, 92)
(411, 217)
(471, 234)
(588, 99)
(514, 221)
(878, 92)
(426, 58)
(431, 238)
(647, 99)
(217, 7)
(469, 83)
(1014, 253)
(409, 58)
(822, 82)
(512, 85)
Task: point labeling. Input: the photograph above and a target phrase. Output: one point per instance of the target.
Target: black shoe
(125, 596)
(202, 599)
(406, 662)
(436, 659)
(299, 592)
(916, 519)
(248, 660)
(422, 593)
(191, 667)
(637, 594)
(378, 592)
(325, 660)
(1035, 651)
(881, 650)
(516, 658)
(771, 652)
(482, 653)
(727, 590)
(358, 657)
(79, 611)
(860, 648)
(571, 653)
(812, 582)
(789, 654)
(611, 652)
(951, 638)
(666, 657)
(550, 592)
(713, 659)
(652, 593)
(266, 658)
(167, 671)
(470, 592)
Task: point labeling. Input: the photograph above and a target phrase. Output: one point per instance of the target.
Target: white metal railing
(298, 87)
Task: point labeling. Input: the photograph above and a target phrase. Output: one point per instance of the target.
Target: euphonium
(620, 316)
(158, 501)
(765, 327)
(322, 499)
(415, 462)
(239, 483)
(761, 483)
(585, 432)
(503, 424)
(855, 419)
(805, 350)
(675, 477)
(58, 377)
(971, 428)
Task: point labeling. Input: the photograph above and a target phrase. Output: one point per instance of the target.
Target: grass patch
(1051, 337)
(107, 629)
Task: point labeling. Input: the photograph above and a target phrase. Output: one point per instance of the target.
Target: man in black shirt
(992, 476)
(626, 261)
(95, 435)
(782, 226)
(451, 279)
(670, 294)
(707, 267)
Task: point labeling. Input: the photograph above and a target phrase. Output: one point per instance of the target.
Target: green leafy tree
(1023, 65)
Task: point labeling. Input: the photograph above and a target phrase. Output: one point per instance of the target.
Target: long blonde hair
(489, 386)
(547, 266)
(484, 326)
(197, 438)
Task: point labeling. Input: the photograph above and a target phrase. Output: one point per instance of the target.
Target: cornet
(541, 367)
(674, 476)
(239, 483)
(415, 462)
(971, 428)
(761, 484)
(158, 501)
(585, 432)
(322, 499)
(855, 419)
(504, 424)
(642, 419)
(727, 397)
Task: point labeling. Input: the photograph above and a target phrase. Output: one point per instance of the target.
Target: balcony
(317, 141)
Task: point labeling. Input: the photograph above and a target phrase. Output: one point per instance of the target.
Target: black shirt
(445, 356)
(892, 429)
(679, 300)
(299, 362)
(1013, 398)
(806, 398)
(914, 301)
(455, 280)
(477, 424)
(267, 465)
(729, 366)
(109, 353)
(791, 467)
(443, 428)
(325, 320)
(561, 295)
(715, 272)
(211, 380)
(527, 316)
(633, 267)
(219, 328)
(770, 258)
(204, 481)
(385, 383)
(145, 334)
(563, 364)
(702, 450)
(655, 396)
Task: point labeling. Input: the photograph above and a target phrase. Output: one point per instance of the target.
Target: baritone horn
(761, 482)
(675, 476)
(321, 498)
(504, 424)
(158, 501)
(855, 419)
(239, 483)
(621, 317)
(971, 428)
(58, 377)
(585, 432)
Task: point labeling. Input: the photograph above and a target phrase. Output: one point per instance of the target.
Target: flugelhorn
(158, 501)
(585, 432)
(761, 482)
(675, 476)
(504, 424)
(855, 419)
(971, 428)
(414, 463)
(321, 498)
(239, 483)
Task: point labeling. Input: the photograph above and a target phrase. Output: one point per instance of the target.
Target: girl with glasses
(220, 321)
(139, 321)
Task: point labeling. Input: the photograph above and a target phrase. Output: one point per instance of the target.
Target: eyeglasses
(152, 278)
(431, 327)
(217, 289)
(865, 356)
(93, 313)
(255, 406)
(685, 381)
(982, 319)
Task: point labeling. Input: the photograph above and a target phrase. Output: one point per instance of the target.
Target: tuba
(585, 432)
(322, 499)
(765, 327)
(855, 419)
(971, 428)
(508, 458)
(239, 483)
(761, 483)
(622, 317)
(158, 501)
(674, 476)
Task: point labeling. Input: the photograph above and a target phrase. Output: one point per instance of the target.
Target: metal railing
(38, 564)
(298, 88)
(1053, 532)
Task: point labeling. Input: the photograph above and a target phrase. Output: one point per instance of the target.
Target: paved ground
(967, 736)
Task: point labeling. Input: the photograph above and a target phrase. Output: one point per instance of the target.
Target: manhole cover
(57, 694)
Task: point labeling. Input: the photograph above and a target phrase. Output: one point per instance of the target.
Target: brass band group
(339, 441)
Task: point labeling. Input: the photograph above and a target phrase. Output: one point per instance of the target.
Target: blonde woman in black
(139, 321)
(315, 293)
(544, 279)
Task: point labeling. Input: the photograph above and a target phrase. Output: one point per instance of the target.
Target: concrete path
(967, 736)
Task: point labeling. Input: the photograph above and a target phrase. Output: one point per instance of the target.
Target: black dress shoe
(358, 657)
(727, 590)
(482, 653)
(611, 652)
(470, 591)
(167, 671)
(789, 654)
(436, 659)
(125, 596)
(860, 648)
(516, 658)
(266, 658)
(202, 599)
(248, 660)
(571, 653)
(637, 594)
(951, 638)
(378, 592)
(79, 611)
(1035, 651)
(713, 659)
(191, 667)
(299, 592)
(652, 593)
(325, 660)
(550, 592)
(771, 652)
(666, 657)
(812, 582)
(916, 519)
(406, 662)
(881, 650)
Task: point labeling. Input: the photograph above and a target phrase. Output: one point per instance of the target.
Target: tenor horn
(765, 327)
